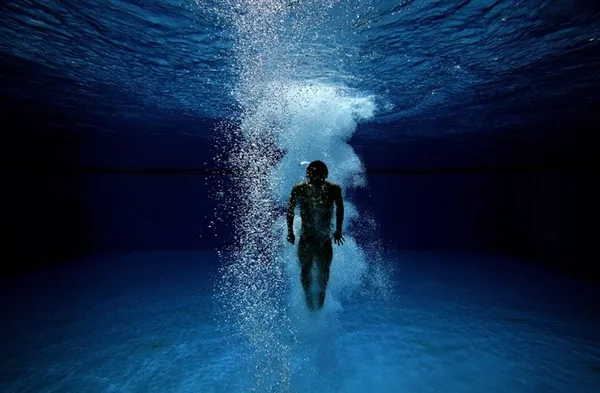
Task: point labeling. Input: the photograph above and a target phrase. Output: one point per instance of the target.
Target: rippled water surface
(433, 66)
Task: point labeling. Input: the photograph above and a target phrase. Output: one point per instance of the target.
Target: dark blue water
(107, 101)
(435, 67)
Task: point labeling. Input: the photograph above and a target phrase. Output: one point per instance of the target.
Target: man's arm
(339, 210)
(290, 213)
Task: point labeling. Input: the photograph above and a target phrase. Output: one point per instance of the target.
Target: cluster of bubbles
(290, 115)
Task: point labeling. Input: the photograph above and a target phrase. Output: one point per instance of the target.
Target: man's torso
(316, 209)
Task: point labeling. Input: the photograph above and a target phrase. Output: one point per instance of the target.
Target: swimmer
(316, 198)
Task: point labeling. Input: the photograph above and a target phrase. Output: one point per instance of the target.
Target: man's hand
(291, 237)
(338, 238)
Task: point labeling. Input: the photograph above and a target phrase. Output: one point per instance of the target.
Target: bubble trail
(290, 116)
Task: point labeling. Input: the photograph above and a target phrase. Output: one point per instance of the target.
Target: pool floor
(148, 322)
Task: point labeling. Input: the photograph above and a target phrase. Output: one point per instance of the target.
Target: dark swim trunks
(313, 247)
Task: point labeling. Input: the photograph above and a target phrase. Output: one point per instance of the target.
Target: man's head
(317, 172)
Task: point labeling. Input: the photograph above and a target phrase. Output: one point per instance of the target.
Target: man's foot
(309, 301)
(321, 300)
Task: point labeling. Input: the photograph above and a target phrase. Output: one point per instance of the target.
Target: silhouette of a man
(316, 198)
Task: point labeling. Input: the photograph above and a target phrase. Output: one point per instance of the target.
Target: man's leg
(324, 258)
(306, 256)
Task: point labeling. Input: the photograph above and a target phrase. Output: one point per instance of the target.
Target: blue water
(149, 322)
(436, 67)
(294, 80)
